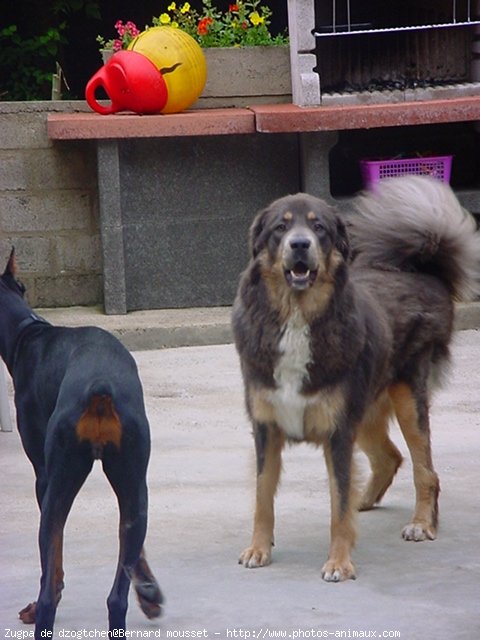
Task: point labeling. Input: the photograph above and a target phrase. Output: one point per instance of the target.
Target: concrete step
(163, 328)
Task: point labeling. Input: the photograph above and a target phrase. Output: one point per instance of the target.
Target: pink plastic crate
(373, 171)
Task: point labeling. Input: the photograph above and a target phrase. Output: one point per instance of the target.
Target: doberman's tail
(99, 423)
(415, 223)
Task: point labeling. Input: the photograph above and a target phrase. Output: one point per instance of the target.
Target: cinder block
(23, 125)
(49, 211)
(23, 131)
(78, 252)
(65, 290)
(13, 174)
(33, 254)
(63, 166)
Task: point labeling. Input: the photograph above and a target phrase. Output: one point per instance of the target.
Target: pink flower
(132, 28)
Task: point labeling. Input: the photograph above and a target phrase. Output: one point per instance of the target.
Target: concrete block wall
(49, 207)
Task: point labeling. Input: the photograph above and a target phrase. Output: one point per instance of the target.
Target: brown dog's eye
(318, 227)
(281, 227)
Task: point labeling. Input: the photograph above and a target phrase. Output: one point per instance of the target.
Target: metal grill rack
(391, 41)
(350, 28)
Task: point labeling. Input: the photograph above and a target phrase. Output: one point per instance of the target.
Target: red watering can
(132, 83)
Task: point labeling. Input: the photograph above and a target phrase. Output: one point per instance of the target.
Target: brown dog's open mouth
(300, 276)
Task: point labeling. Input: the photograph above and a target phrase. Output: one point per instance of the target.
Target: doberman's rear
(78, 398)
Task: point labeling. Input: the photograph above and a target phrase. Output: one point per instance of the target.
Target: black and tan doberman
(78, 398)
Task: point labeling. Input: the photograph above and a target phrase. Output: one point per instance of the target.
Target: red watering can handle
(93, 84)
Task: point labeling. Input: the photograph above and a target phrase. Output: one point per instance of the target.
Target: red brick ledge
(278, 118)
(202, 122)
(264, 118)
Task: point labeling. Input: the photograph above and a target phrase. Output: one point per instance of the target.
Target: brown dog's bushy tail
(416, 224)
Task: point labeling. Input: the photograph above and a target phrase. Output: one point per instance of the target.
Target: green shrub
(27, 63)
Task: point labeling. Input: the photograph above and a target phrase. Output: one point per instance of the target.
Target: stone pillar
(305, 81)
(111, 228)
(314, 162)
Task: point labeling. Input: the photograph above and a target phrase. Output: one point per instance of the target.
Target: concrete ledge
(156, 329)
(467, 316)
(262, 118)
(278, 118)
(200, 122)
(167, 328)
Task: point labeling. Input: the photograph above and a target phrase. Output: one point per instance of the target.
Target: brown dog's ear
(256, 241)
(342, 243)
(11, 268)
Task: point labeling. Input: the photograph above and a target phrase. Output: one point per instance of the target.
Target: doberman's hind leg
(269, 442)
(148, 592)
(64, 482)
(383, 455)
(128, 481)
(413, 417)
(35, 449)
(28, 613)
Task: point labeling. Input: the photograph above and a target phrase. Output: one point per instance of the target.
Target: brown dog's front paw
(254, 557)
(418, 531)
(27, 614)
(338, 571)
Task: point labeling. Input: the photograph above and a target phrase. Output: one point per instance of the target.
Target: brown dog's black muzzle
(300, 260)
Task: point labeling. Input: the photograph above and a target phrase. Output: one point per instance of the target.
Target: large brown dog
(334, 340)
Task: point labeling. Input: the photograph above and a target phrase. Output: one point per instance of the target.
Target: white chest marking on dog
(289, 374)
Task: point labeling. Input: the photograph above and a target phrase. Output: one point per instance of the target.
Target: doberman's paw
(254, 557)
(338, 571)
(27, 614)
(419, 531)
(149, 598)
(149, 595)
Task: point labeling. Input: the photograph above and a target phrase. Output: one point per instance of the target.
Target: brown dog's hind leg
(269, 442)
(339, 459)
(383, 455)
(412, 415)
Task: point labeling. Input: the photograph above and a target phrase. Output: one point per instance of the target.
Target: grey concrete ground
(201, 480)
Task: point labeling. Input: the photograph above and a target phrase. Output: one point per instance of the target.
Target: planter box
(106, 55)
(241, 76)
